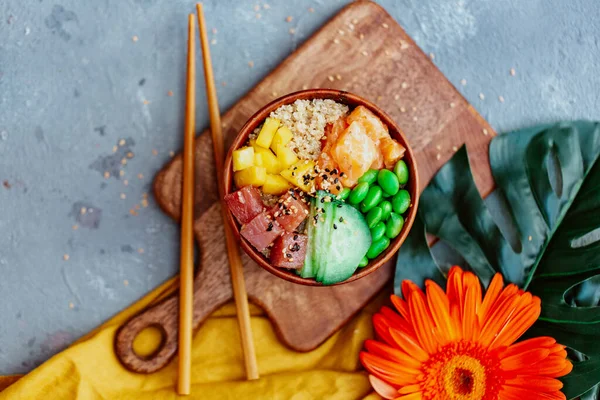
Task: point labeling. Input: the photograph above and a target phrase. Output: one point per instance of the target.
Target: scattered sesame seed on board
(331, 78)
(75, 227)
(146, 102)
(122, 142)
(135, 38)
(454, 148)
(513, 72)
(364, 53)
(141, 251)
(361, 36)
(223, 83)
(125, 182)
(123, 196)
(341, 32)
(387, 53)
(336, 41)
(172, 153)
(463, 82)
(404, 85)
(385, 26)
(404, 45)
(355, 21)
(304, 87)
(251, 64)
(289, 18)
(396, 97)
(115, 148)
(452, 105)
(144, 203)
(292, 31)
(530, 238)
(311, 10)
(154, 152)
(136, 207)
(83, 210)
(256, 7)
(129, 154)
(432, 56)
(274, 93)
(170, 93)
(71, 305)
(438, 156)
(266, 6)
(126, 282)
(414, 108)
(106, 174)
(213, 42)
(124, 161)
(258, 16)
(121, 173)
(438, 147)
(379, 98)
(485, 131)
(214, 30)
(338, 77)
(66, 257)
(402, 109)
(501, 99)
(481, 96)
(133, 212)
(415, 118)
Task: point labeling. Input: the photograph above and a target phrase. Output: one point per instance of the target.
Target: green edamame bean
(343, 195)
(364, 262)
(378, 247)
(373, 217)
(378, 231)
(401, 202)
(388, 181)
(386, 207)
(370, 176)
(394, 225)
(401, 171)
(372, 199)
(359, 193)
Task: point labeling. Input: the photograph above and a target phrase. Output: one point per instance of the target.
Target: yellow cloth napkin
(89, 369)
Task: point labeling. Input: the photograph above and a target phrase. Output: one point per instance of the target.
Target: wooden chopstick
(186, 280)
(235, 262)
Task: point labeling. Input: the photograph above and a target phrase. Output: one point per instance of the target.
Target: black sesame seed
(339, 206)
(336, 180)
(295, 237)
(295, 247)
(338, 187)
(327, 170)
(334, 226)
(270, 227)
(322, 199)
(341, 219)
(288, 255)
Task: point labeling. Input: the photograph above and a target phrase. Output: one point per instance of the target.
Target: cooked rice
(307, 120)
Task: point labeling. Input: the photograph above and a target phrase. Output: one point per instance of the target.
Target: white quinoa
(307, 120)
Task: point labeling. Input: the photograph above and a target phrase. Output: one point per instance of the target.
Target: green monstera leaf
(548, 177)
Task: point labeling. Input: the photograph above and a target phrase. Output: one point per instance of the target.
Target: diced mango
(243, 158)
(286, 156)
(299, 175)
(258, 159)
(254, 176)
(275, 184)
(269, 161)
(282, 136)
(265, 136)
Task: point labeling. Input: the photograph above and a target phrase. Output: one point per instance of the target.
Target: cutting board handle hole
(149, 341)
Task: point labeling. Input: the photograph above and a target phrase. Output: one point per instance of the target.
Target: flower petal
(392, 354)
(389, 371)
(382, 388)
(524, 359)
(542, 341)
(533, 382)
(440, 311)
(409, 345)
(422, 321)
(491, 295)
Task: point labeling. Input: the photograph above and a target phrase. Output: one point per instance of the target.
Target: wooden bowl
(352, 101)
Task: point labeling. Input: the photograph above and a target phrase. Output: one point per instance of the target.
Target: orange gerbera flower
(458, 346)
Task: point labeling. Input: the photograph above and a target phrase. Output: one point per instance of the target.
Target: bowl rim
(352, 100)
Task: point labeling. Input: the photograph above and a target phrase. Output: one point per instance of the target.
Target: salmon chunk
(354, 153)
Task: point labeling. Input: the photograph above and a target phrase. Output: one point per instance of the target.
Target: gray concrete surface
(73, 83)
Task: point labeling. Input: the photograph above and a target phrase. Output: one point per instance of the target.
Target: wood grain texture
(385, 67)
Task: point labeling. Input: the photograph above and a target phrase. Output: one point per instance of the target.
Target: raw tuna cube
(245, 204)
(289, 250)
(290, 210)
(261, 231)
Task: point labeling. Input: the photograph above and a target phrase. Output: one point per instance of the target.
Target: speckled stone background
(80, 77)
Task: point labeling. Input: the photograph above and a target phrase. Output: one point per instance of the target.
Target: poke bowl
(321, 187)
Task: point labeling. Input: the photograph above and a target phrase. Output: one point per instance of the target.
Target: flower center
(461, 371)
(464, 378)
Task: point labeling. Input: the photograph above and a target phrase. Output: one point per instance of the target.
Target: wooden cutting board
(361, 50)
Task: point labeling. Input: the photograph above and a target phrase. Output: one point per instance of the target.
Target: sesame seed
(135, 38)
(258, 15)
(341, 32)
(124, 161)
(364, 53)
(336, 41)
(404, 85)
(415, 118)
(334, 226)
(144, 203)
(125, 182)
(485, 131)
(123, 196)
(71, 305)
(385, 26)
(251, 64)
(121, 173)
(331, 78)
(438, 147)
(126, 282)
(361, 36)
(66, 257)
(129, 155)
(274, 93)
(289, 18)
(83, 210)
(481, 96)
(396, 97)
(414, 108)
(338, 77)
(513, 72)
(140, 176)
(170, 93)
(171, 153)
(266, 6)
(463, 82)
(452, 105)
(292, 31)
(501, 99)
(141, 251)
(454, 148)
(355, 21)
(432, 56)
(154, 152)
(402, 109)
(438, 156)
(115, 148)
(214, 30)
(106, 174)
(122, 142)
(75, 227)
(530, 238)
